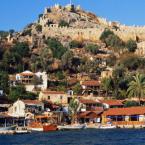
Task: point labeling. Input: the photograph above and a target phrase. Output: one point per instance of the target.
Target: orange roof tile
(113, 102)
(88, 101)
(53, 92)
(125, 111)
(91, 83)
(89, 114)
(32, 101)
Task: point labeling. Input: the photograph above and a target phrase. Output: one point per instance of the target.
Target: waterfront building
(125, 116)
(112, 104)
(90, 105)
(21, 107)
(90, 117)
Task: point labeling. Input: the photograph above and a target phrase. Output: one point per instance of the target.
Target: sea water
(78, 137)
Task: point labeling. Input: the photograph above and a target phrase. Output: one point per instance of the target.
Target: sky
(16, 14)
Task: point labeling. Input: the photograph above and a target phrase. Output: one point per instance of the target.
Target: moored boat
(8, 128)
(37, 126)
(22, 130)
(72, 127)
(49, 127)
(108, 126)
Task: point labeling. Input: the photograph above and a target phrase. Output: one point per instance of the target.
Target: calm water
(82, 137)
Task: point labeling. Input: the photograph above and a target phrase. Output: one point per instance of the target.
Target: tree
(137, 87)
(112, 40)
(39, 28)
(118, 75)
(106, 33)
(21, 48)
(60, 75)
(4, 82)
(75, 44)
(132, 62)
(131, 104)
(111, 61)
(92, 48)
(77, 88)
(73, 108)
(45, 58)
(115, 42)
(56, 47)
(16, 92)
(63, 23)
(107, 85)
(67, 59)
(19, 92)
(131, 45)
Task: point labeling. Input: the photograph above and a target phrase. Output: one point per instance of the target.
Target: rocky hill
(73, 23)
(69, 32)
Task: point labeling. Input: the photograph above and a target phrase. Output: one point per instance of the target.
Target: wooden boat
(72, 127)
(36, 126)
(49, 127)
(43, 123)
(108, 126)
(46, 127)
(22, 130)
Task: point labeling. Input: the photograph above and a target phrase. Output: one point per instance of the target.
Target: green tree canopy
(106, 33)
(73, 109)
(63, 23)
(112, 40)
(21, 48)
(92, 48)
(107, 85)
(4, 82)
(19, 92)
(56, 47)
(75, 44)
(137, 86)
(131, 45)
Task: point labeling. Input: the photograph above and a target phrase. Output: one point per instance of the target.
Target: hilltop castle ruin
(83, 26)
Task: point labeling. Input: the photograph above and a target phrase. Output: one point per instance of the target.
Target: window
(48, 97)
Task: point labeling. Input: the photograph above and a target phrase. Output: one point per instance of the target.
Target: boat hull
(8, 128)
(36, 129)
(71, 127)
(49, 127)
(107, 127)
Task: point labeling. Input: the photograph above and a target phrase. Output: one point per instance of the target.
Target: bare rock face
(72, 23)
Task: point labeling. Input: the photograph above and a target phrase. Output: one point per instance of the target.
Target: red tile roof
(89, 114)
(112, 102)
(125, 111)
(32, 102)
(88, 101)
(53, 92)
(91, 83)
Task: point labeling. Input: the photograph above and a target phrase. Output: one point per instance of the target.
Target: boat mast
(5, 123)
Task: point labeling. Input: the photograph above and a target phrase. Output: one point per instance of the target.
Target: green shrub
(63, 23)
(92, 48)
(75, 44)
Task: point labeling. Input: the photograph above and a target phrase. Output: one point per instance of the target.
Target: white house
(17, 109)
(27, 78)
(21, 107)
